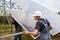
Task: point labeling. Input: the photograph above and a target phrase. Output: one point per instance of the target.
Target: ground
(25, 37)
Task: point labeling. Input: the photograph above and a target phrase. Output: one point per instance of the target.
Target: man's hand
(11, 19)
(27, 33)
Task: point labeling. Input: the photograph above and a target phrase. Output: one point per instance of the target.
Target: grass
(25, 37)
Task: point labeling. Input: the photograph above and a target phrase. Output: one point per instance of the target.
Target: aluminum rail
(11, 35)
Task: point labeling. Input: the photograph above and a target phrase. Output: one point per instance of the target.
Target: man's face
(36, 17)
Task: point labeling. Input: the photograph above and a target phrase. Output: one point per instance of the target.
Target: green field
(25, 37)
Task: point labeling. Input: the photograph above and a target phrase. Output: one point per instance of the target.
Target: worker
(43, 26)
(18, 29)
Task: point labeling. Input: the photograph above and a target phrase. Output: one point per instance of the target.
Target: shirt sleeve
(48, 22)
(37, 26)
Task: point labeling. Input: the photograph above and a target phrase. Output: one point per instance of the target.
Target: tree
(59, 13)
(2, 11)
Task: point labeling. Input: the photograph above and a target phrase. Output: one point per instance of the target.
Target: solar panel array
(25, 19)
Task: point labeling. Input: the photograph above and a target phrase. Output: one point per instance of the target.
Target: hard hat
(38, 13)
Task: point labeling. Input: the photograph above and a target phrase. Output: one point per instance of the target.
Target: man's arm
(32, 33)
(11, 19)
(50, 27)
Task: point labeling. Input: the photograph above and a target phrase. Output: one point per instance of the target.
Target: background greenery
(59, 13)
(25, 37)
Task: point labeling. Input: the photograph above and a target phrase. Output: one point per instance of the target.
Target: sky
(50, 4)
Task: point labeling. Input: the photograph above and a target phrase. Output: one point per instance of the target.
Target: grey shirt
(40, 26)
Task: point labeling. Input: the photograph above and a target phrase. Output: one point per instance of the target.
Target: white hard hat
(38, 13)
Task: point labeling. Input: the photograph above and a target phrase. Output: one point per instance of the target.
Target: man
(18, 29)
(43, 26)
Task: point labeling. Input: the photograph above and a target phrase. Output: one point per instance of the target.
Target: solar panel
(25, 19)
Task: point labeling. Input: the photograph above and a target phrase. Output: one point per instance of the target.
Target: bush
(3, 19)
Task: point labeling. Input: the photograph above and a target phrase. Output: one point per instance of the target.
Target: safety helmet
(37, 13)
